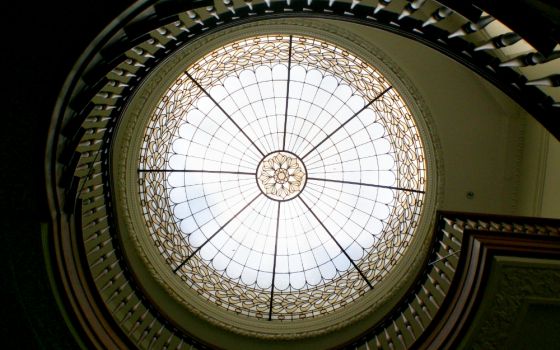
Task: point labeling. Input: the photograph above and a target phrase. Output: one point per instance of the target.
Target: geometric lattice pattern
(319, 244)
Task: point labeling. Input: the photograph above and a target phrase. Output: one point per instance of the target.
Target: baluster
(451, 238)
(430, 299)
(156, 337)
(131, 311)
(434, 289)
(95, 195)
(118, 84)
(499, 42)
(388, 339)
(147, 330)
(113, 280)
(122, 73)
(195, 17)
(87, 170)
(438, 15)
(551, 80)
(98, 246)
(442, 276)
(354, 3)
(458, 228)
(494, 226)
(249, 4)
(381, 5)
(505, 226)
(410, 8)
(102, 258)
(229, 5)
(449, 221)
(446, 260)
(117, 292)
(529, 229)
(107, 95)
(135, 64)
(106, 270)
(174, 342)
(168, 341)
(124, 301)
(399, 335)
(471, 27)
(212, 11)
(139, 321)
(517, 228)
(181, 26)
(155, 43)
(142, 53)
(416, 316)
(470, 224)
(550, 230)
(448, 252)
(90, 202)
(408, 327)
(423, 307)
(482, 225)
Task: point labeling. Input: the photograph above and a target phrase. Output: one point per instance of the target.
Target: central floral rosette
(281, 175)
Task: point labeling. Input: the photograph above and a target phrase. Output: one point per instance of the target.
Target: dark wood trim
(468, 285)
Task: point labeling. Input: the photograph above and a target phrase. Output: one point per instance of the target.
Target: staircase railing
(405, 326)
(119, 59)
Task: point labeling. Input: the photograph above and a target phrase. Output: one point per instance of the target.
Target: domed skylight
(281, 176)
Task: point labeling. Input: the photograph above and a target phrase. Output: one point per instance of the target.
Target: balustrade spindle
(382, 4)
(551, 80)
(438, 15)
(249, 4)
(416, 316)
(145, 335)
(229, 5)
(530, 59)
(410, 8)
(471, 27)
(354, 3)
(212, 11)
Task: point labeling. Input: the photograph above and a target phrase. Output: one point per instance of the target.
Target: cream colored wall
(480, 129)
(539, 184)
(551, 189)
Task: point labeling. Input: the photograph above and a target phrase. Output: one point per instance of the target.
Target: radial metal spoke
(347, 121)
(338, 244)
(274, 264)
(287, 93)
(215, 233)
(195, 171)
(215, 206)
(366, 184)
(223, 111)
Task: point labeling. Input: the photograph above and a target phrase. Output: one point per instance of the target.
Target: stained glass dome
(281, 177)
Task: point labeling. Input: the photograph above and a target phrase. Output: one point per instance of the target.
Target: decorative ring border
(360, 309)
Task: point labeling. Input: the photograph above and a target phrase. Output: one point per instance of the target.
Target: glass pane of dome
(281, 176)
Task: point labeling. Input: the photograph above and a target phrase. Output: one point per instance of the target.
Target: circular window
(281, 176)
